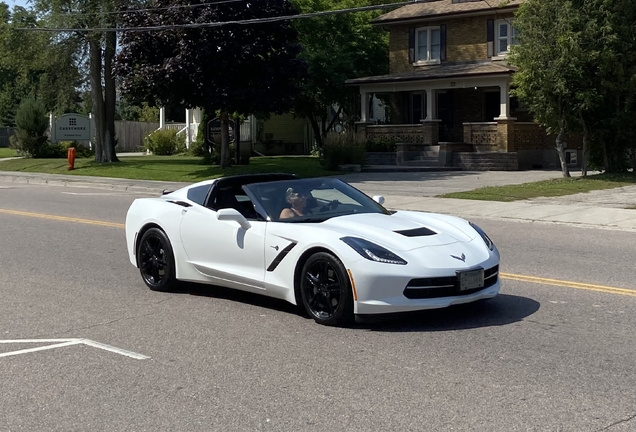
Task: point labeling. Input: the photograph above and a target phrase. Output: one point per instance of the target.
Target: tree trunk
(110, 98)
(586, 146)
(317, 132)
(561, 150)
(606, 162)
(237, 139)
(225, 140)
(95, 60)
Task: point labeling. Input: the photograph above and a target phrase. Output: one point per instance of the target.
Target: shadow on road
(502, 310)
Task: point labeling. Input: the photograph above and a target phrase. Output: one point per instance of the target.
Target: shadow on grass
(502, 310)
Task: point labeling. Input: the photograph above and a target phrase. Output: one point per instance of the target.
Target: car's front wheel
(156, 260)
(326, 290)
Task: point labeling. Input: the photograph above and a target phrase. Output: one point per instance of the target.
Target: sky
(12, 3)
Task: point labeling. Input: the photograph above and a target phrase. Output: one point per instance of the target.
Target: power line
(224, 23)
(80, 14)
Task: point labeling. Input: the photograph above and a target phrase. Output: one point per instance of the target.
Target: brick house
(448, 87)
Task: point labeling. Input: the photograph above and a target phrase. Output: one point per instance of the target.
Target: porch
(462, 108)
(526, 142)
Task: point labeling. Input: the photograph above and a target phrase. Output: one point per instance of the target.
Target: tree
(336, 48)
(101, 48)
(546, 77)
(34, 64)
(577, 73)
(243, 69)
(610, 29)
(30, 137)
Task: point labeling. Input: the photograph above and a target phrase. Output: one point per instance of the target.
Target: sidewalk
(417, 191)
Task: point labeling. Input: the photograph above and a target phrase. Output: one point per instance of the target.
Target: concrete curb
(571, 210)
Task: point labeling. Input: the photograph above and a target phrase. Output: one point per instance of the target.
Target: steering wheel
(329, 206)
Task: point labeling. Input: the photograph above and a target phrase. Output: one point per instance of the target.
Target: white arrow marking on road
(68, 342)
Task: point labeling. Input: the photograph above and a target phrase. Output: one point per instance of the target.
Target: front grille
(446, 286)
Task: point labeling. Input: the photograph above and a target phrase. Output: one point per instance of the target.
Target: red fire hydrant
(71, 158)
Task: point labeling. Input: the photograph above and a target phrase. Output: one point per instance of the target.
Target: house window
(506, 36)
(429, 45)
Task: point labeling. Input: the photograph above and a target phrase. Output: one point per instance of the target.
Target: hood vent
(417, 232)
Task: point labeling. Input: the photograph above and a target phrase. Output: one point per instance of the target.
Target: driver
(297, 199)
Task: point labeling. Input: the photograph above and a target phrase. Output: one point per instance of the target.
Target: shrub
(165, 142)
(339, 149)
(380, 145)
(32, 123)
(81, 151)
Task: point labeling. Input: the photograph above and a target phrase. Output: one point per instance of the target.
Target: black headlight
(372, 251)
(484, 236)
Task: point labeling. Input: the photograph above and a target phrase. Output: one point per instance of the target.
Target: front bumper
(380, 288)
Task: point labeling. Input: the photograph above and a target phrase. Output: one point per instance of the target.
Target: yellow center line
(568, 284)
(62, 218)
(509, 276)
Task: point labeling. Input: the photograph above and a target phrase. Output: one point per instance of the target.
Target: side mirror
(230, 214)
(379, 199)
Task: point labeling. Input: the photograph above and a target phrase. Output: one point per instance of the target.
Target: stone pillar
(431, 131)
(468, 132)
(506, 135)
(361, 129)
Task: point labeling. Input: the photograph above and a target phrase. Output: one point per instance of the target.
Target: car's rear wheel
(156, 260)
(326, 291)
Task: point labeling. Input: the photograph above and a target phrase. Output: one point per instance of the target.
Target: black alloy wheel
(326, 291)
(156, 260)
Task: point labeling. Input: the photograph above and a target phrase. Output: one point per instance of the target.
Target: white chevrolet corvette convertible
(318, 243)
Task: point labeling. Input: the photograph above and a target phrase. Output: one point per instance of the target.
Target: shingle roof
(445, 70)
(433, 8)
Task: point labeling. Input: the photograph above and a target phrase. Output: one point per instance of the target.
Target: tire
(325, 290)
(155, 260)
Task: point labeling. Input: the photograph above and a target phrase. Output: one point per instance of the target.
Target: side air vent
(181, 203)
(417, 232)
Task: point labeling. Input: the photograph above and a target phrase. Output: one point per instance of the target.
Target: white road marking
(114, 349)
(41, 348)
(67, 342)
(96, 193)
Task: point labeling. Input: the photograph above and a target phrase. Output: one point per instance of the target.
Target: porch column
(431, 104)
(431, 123)
(188, 133)
(162, 117)
(504, 102)
(364, 106)
(505, 123)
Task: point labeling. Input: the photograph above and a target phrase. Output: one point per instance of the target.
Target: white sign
(72, 127)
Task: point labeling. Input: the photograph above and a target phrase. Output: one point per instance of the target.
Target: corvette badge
(461, 258)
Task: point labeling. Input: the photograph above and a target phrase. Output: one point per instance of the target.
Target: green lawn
(6, 152)
(547, 188)
(169, 168)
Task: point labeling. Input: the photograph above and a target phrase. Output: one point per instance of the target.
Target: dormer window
(506, 36)
(429, 45)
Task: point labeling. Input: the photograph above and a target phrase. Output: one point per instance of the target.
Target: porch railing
(529, 136)
(396, 133)
(482, 135)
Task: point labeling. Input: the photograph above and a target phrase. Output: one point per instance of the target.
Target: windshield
(310, 200)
